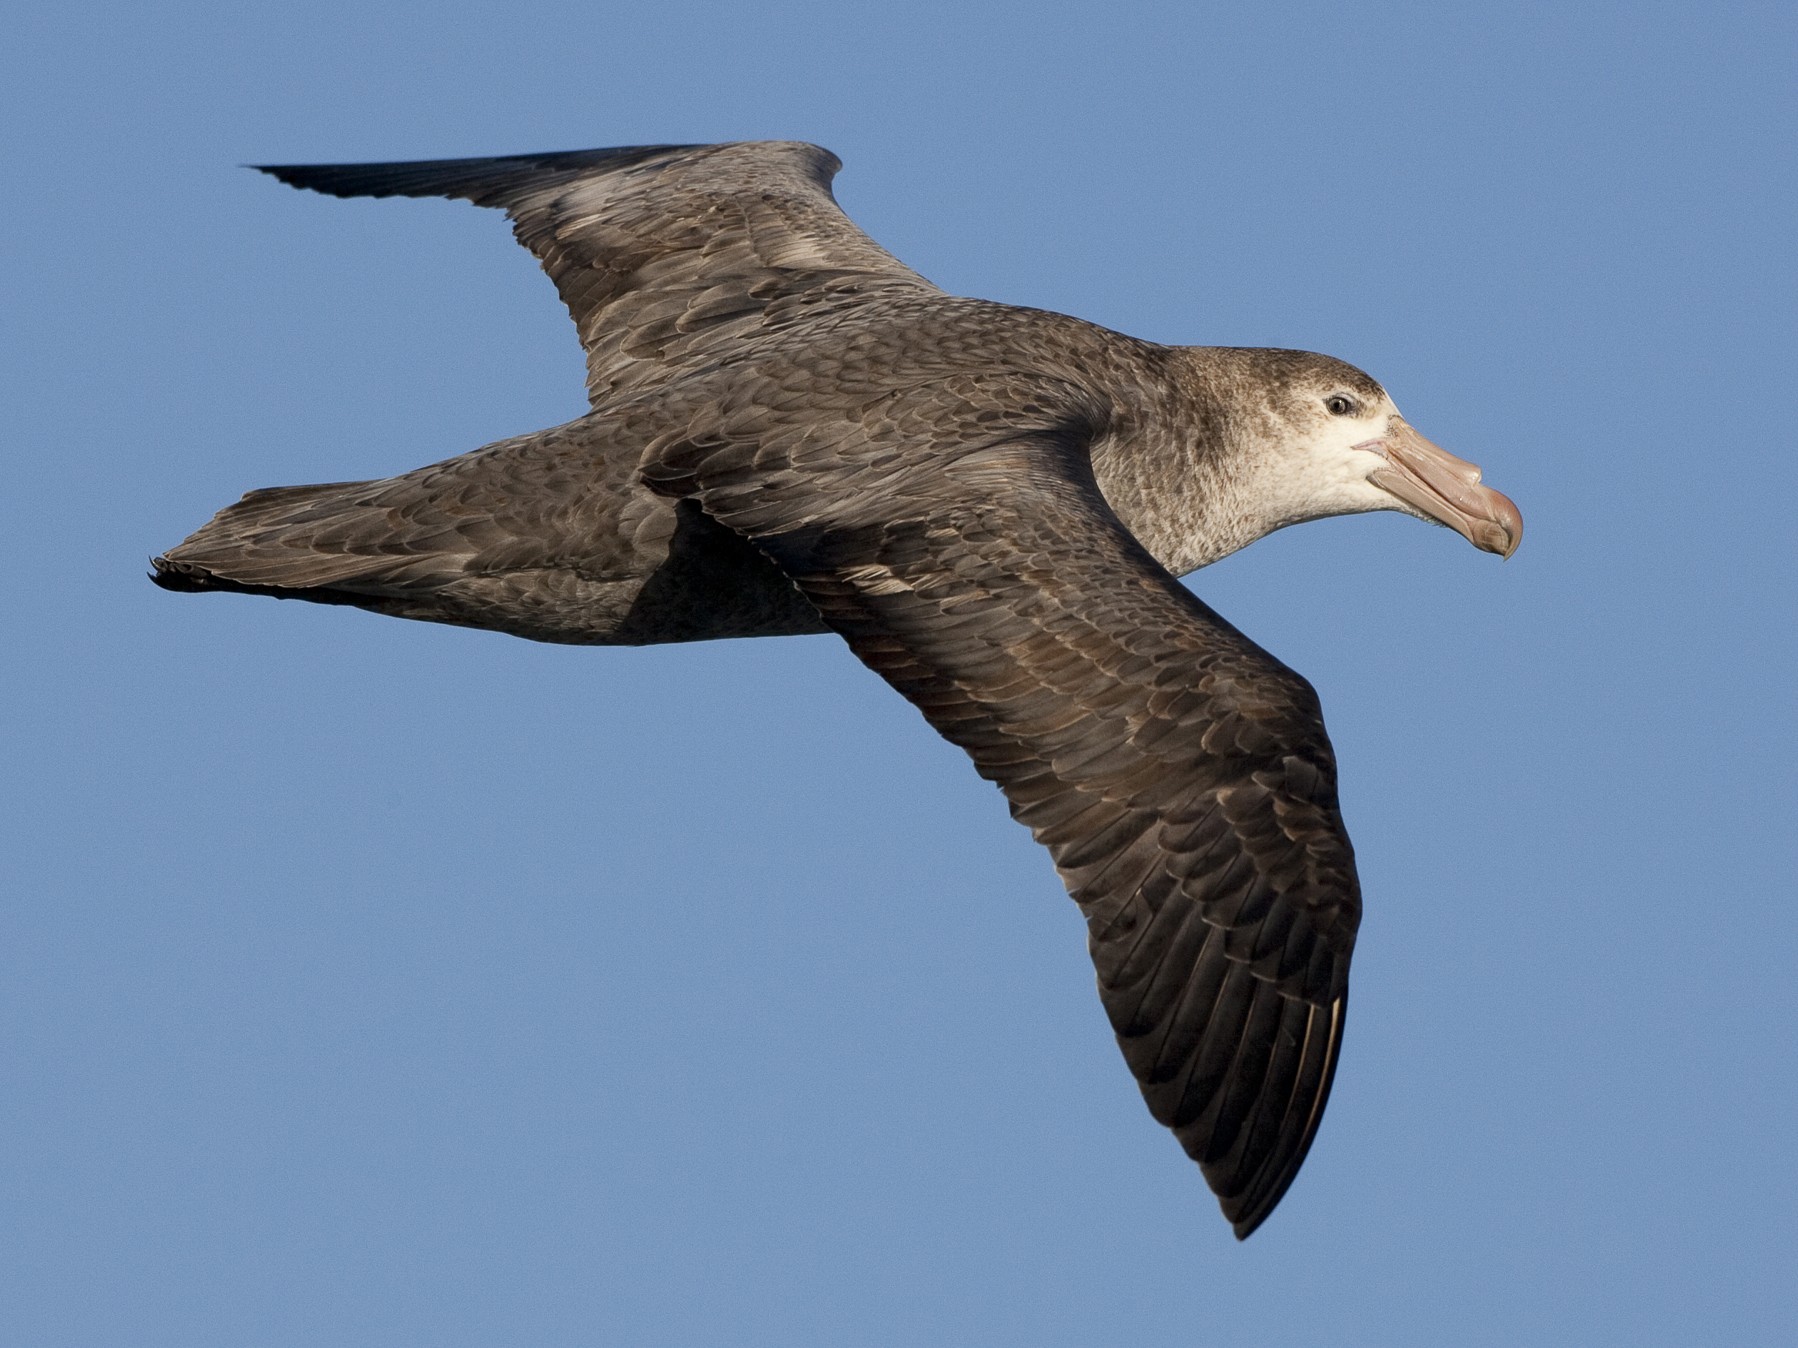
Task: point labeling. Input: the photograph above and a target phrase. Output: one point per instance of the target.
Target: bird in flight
(790, 431)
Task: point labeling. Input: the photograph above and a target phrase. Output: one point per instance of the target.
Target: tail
(293, 543)
(547, 536)
(542, 536)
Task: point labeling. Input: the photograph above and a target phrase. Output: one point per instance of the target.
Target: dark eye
(1341, 405)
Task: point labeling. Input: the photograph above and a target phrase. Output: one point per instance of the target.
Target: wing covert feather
(1179, 776)
(666, 255)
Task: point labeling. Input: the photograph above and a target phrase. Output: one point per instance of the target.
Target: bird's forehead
(1276, 378)
(1316, 371)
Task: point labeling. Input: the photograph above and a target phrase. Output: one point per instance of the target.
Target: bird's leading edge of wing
(666, 255)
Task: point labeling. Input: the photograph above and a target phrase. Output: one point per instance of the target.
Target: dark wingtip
(1272, 1185)
(1250, 1221)
(484, 181)
(1244, 1230)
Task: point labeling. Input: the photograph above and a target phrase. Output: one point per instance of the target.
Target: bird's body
(792, 432)
(558, 537)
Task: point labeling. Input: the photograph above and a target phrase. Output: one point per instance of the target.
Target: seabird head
(1336, 445)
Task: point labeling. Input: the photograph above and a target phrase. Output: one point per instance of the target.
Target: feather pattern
(790, 431)
(664, 254)
(1179, 775)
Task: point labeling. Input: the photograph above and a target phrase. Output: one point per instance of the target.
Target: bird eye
(1340, 404)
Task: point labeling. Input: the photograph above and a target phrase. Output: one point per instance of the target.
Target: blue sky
(370, 982)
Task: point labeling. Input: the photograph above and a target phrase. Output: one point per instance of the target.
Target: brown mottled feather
(666, 255)
(791, 430)
(1179, 775)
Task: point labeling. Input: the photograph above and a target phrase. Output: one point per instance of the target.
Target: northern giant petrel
(793, 432)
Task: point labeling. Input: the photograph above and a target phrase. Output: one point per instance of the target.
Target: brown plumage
(792, 432)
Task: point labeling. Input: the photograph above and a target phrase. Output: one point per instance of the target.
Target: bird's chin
(1427, 480)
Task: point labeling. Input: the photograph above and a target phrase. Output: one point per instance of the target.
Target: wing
(1179, 775)
(664, 254)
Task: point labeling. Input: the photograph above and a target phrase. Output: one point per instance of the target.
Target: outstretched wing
(1179, 775)
(664, 254)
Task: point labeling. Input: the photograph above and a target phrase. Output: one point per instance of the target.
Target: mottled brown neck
(1178, 464)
